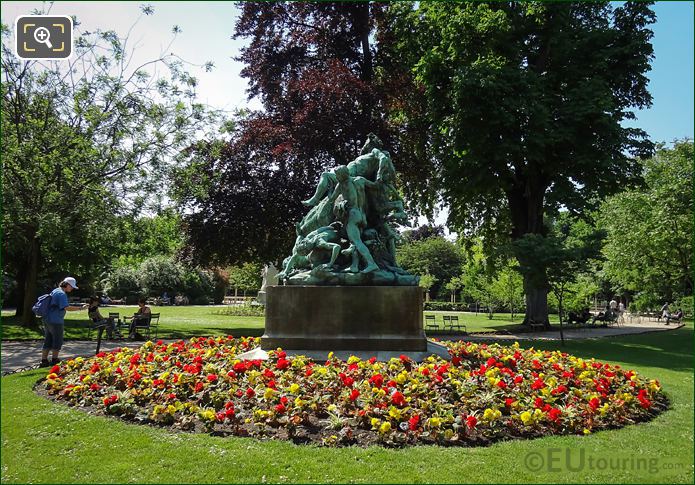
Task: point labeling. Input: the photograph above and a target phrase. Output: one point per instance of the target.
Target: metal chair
(454, 323)
(431, 323)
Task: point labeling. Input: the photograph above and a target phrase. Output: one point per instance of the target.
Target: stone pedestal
(344, 318)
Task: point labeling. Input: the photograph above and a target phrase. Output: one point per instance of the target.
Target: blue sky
(208, 26)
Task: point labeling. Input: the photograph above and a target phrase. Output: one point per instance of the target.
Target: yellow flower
(268, 393)
(394, 412)
(385, 427)
(332, 408)
(434, 422)
(375, 422)
(298, 403)
(526, 418)
(294, 388)
(491, 414)
(587, 431)
(208, 415)
(402, 377)
(353, 359)
(171, 409)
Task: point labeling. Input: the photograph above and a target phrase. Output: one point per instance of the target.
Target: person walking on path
(54, 321)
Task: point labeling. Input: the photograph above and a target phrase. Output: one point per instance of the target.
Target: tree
(454, 285)
(246, 277)
(649, 247)
(427, 281)
(423, 232)
(568, 250)
(507, 287)
(312, 66)
(79, 136)
(434, 256)
(525, 101)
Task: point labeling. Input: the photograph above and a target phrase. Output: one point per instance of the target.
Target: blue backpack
(42, 305)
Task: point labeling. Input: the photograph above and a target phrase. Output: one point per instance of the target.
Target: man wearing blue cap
(54, 321)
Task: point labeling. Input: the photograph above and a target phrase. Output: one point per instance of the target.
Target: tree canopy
(649, 246)
(526, 103)
(80, 136)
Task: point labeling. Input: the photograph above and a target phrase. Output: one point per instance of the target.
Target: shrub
(122, 282)
(159, 274)
(446, 306)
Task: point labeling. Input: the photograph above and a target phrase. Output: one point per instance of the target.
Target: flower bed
(485, 393)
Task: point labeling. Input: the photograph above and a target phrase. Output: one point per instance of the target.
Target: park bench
(674, 318)
(236, 300)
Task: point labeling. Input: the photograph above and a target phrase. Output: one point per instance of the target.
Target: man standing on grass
(54, 321)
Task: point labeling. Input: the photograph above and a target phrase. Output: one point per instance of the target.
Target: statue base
(344, 318)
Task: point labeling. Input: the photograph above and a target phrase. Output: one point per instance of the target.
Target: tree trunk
(526, 203)
(30, 283)
(536, 303)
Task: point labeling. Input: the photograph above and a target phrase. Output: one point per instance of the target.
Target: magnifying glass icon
(43, 36)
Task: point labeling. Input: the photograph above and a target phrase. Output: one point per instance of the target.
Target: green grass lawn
(47, 442)
(174, 322)
(190, 321)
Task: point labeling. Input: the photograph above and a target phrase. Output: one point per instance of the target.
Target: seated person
(605, 316)
(579, 317)
(676, 317)
(105, 300)
(141, 317)
(166, 300)
(97, 319)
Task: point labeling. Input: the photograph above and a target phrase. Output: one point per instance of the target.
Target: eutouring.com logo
(560, 460)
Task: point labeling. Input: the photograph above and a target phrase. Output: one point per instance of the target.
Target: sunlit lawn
(189, 321)
(47, 442)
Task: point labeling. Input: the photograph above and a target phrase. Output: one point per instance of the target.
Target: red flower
(239, 367)
(539, 403)
(95, 368)
(354, 394)
(308, 372)
(249, 392)
(54, 370)
(198, 386)
(220, 416)
(272, 384)
(282, 364)
(398, 399)
(559, 390)
(502, 385)
(413, 422)
(280, 408)
(594, 403)
(471, 421)
(508, 402)
(518, 379)
(538, 384)
(212, 377)
(377, 380)
(554, 414)
(94, 387)
(268, 373)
